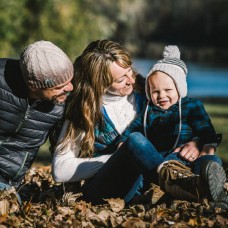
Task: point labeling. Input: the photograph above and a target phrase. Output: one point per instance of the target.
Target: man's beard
(57, 102)
(55, 98)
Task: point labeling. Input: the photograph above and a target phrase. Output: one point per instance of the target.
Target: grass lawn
(219, 117)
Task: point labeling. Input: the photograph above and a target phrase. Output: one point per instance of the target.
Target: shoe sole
(216, 178)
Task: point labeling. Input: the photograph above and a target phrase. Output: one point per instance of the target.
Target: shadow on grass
(214, 100)
(43, 158)
(225, 164)
(219, 115)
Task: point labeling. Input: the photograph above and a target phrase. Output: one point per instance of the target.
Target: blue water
(203, 81)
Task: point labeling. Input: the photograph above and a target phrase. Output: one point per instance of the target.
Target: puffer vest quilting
(24, 124)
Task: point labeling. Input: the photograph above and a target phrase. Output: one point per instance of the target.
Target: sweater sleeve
(67, 167)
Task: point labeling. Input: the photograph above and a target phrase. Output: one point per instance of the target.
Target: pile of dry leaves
(45, 204)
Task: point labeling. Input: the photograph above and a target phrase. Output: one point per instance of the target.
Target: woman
(104, 102)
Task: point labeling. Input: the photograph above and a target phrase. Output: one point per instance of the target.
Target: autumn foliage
(48, 204)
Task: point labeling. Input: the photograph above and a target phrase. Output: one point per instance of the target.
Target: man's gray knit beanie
(44, 65)
(172, 65)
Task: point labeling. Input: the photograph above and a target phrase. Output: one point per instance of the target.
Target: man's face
(57, 94)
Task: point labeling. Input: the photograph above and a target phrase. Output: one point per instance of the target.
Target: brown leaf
(70, 213)
(157, 193)
(226, 186)
(210, 223)
(102, 218)
(59, 217)
(69, 198)
(115, 219)
(87, 224)
(138, 210)
(82, 207)
(26, 208)
(4, 207)
(3, 219)
(222, 220)
(116, 204)
(65, 211)
(134, 223)
(8, 201)
(104, 215)
(193, 222)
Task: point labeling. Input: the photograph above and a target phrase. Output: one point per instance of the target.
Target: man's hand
(188, 151)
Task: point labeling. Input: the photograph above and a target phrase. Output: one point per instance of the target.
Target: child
(171, 119)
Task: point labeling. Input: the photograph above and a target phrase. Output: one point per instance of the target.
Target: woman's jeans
(122, 175)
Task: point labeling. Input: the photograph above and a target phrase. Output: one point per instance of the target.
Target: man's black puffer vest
(24, 124)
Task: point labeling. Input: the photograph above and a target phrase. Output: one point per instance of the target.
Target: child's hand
(188, 151)
(207, 149)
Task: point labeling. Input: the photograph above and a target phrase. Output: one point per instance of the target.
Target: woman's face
(123, 80)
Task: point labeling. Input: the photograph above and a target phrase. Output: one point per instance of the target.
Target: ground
(47, 205)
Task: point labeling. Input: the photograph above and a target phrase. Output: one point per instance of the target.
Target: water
(203, 81)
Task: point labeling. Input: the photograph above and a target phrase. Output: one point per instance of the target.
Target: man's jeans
(121, 176)
(5, 186)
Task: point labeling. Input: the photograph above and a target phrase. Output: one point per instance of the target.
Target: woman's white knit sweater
(67, 166)
(121, 110)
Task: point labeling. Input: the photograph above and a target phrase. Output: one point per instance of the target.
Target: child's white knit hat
(172, 65)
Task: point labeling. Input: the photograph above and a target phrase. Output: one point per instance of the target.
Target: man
(33, 90)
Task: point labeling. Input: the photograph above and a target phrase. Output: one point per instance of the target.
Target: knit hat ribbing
(44, 65)
(172, 65)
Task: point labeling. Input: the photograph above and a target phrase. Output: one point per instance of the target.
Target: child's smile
(163, 91)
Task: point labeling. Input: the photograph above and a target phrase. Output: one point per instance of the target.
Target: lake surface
(203, 81)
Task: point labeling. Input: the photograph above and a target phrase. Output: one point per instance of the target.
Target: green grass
(43, 156)
(219, 118)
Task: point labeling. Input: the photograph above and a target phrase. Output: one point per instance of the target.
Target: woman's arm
(67, 167)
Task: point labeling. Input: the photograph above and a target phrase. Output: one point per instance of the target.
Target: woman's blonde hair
(92, 77)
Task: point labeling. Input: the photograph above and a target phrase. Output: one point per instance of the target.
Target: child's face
(163, 91)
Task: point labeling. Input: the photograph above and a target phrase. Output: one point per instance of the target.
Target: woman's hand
(188, 151)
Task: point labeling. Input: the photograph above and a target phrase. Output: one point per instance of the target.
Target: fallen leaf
(134, 223)
(4, 207)
(116, 204)
(222, 220)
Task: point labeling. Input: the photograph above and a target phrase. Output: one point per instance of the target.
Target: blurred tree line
(199, 27)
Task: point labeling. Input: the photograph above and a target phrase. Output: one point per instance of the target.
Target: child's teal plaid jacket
(162, 126)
